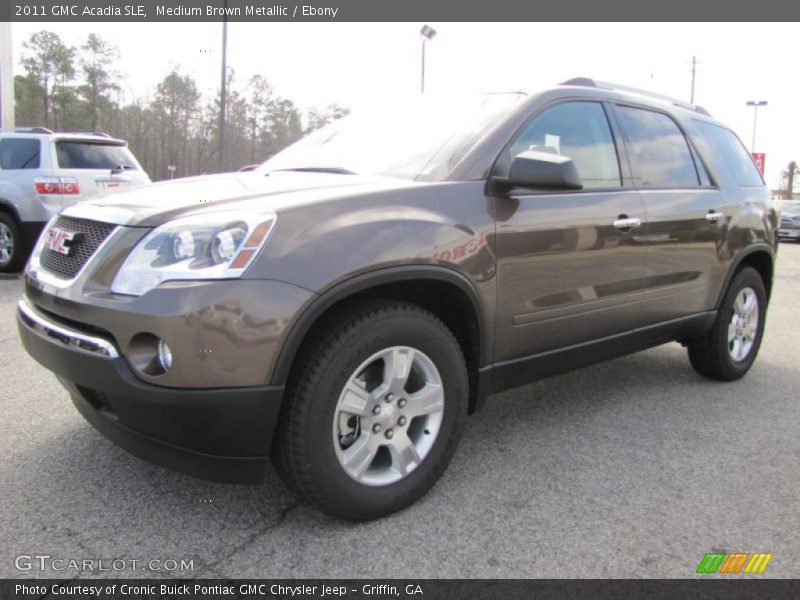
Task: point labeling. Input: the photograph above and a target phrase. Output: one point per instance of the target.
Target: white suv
(42, 172)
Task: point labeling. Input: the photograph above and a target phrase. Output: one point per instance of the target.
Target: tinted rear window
(86, 155)
(19, 153)
(662, 155)
(716, 140)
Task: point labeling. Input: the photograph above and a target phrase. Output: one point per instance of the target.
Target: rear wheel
(374, 412)
(728, 351)
(12, 254)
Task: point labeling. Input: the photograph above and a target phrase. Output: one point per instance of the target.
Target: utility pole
(223, 86)
(694, 72)
(6, 76)
(790, 173)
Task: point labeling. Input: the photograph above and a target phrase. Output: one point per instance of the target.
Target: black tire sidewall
(17, 259)
(747, 277)
(357, 499)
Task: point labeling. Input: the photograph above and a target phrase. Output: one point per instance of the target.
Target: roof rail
(603, 85)
(25, 130)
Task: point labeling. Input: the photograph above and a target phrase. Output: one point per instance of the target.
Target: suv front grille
(67, 267)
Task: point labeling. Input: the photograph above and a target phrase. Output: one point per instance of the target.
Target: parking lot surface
(632, 468)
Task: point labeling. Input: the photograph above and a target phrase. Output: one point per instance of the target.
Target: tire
(311, 447)
(12, 252)
(713, 355)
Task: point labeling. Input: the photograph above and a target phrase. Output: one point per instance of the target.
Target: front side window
(661, 154)
(718, 141)
(19, 153)
(577, 130)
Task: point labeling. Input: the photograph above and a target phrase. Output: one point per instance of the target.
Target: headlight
(218, 245)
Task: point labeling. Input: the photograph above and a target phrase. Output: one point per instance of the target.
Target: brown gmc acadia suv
(345, 306)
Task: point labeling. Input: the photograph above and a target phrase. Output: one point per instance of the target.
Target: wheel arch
(8, 208)
(761, 258)
(445, 292)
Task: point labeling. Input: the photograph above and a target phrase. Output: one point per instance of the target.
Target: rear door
(686, 214)
(97, 166)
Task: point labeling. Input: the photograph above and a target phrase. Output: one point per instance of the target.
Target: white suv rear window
(93, 155)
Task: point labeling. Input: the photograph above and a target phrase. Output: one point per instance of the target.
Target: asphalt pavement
(632, 468)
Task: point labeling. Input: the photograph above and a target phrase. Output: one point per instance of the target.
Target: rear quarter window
(89, 155)
(19, 153)
(718, 141)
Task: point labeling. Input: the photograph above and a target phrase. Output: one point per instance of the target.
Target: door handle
(713, 216)
(624, 222)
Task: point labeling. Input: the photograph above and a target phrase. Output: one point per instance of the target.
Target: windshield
(790, 208)
(420, 139)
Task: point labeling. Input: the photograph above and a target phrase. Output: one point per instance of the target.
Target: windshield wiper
(334, 170)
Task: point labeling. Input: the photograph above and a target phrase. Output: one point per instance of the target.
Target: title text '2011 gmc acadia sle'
(342, 308)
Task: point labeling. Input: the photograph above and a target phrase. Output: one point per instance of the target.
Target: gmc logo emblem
(61, 241)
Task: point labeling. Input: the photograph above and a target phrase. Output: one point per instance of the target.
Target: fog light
(164, 355)
(149, 354)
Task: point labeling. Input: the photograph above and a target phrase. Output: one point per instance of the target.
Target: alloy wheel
(6, 245)
(743, 327)
(388, 416)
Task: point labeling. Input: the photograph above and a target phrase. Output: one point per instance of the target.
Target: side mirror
(543, 170)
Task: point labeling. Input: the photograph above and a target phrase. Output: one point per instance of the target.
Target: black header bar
(398, 10)
(398, 589)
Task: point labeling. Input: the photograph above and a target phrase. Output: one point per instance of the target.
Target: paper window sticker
(553, 141)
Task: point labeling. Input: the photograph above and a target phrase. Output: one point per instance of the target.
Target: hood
(152, 205)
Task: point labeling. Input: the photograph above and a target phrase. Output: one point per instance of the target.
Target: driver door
(570, 262)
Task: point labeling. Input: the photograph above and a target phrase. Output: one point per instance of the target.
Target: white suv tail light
(57, 185)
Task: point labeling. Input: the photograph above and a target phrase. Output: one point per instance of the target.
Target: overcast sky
(315, 64)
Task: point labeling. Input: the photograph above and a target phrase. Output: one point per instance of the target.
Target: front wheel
(728, 351)
(12, 254)
(374, 411)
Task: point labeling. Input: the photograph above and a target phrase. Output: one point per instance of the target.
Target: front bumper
(221, 434)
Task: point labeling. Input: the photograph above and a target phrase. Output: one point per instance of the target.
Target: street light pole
(426, 34)
(755, 104)
(422, 85)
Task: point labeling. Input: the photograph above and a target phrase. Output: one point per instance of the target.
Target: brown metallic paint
(549, 269)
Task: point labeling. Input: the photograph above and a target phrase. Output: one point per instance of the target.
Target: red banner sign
(761, 160)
